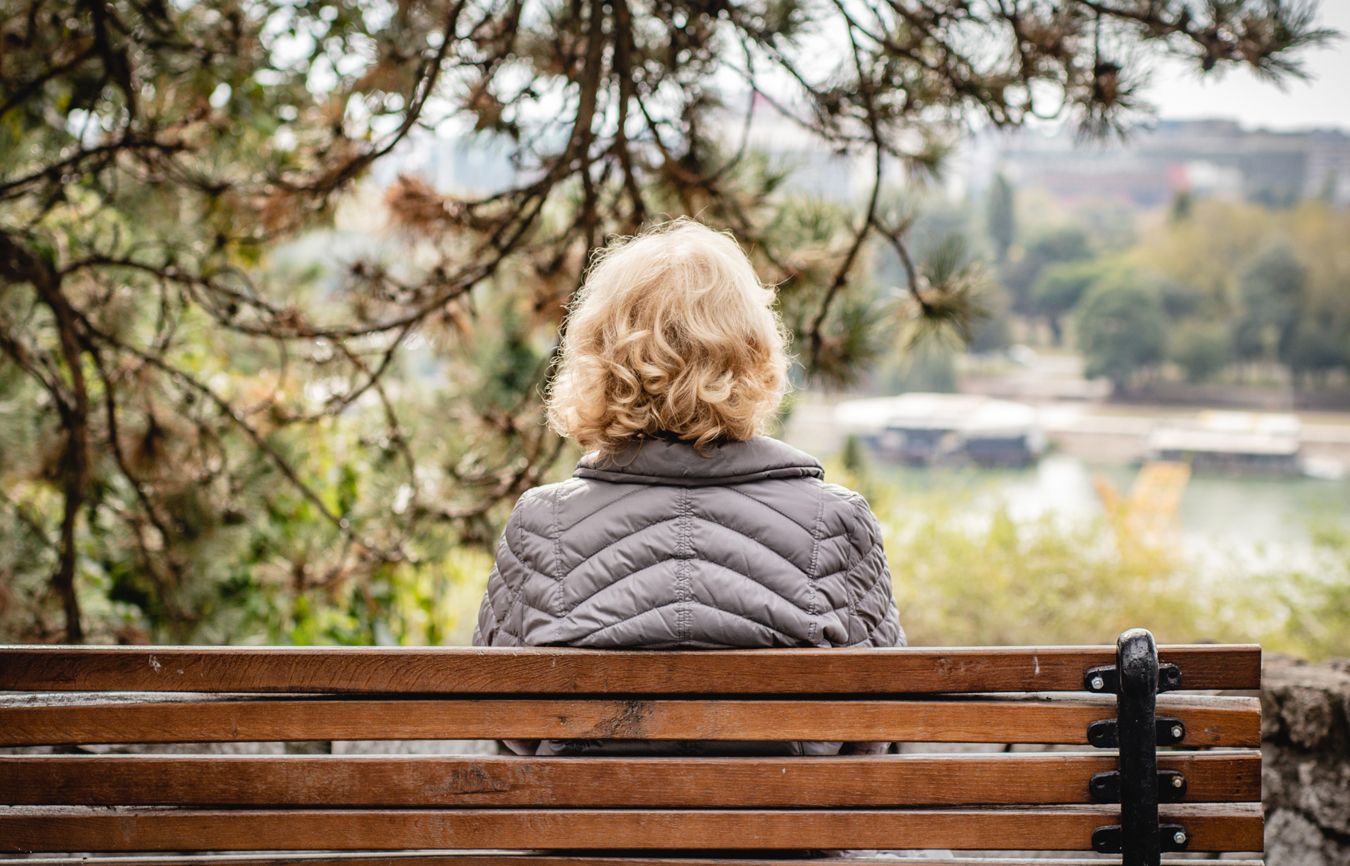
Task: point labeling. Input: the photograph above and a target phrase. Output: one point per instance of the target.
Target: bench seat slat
(420, 858)
(909, 780)
(1214, 721)
(1061, 828)
(359, 670)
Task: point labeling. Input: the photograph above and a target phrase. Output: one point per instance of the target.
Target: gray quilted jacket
(661, 547)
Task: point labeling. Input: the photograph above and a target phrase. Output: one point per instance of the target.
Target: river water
(1273, 516)
(1214, 509)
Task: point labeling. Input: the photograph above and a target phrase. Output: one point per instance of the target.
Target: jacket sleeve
(495, 604)
(485, 631)
(503, 584)
(878, 618)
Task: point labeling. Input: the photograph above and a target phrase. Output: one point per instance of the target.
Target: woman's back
(660, 547)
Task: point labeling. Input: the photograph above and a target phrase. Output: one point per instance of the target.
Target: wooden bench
(1200, 792)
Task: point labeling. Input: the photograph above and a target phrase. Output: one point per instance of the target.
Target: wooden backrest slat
(1058, 828)
(1209, 721)
(668, 782)
(470, 858)
(356, 670)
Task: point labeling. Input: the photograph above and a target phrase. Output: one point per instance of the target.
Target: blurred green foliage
(964, 577)
(1214, 290)
(1120, 328)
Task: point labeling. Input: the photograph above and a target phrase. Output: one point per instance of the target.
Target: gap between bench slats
(574, 671)
(909, 780)
(1211, 827)
(1209, 721)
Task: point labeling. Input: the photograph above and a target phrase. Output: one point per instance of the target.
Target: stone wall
(1306, 766)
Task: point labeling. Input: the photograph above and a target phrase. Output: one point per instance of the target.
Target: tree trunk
(22, 265)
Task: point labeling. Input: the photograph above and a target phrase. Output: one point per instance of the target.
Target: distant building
(1207, 157)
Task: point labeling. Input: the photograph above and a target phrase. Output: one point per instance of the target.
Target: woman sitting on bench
(684, 526)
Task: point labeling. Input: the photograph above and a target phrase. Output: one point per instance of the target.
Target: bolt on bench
(1119, 794)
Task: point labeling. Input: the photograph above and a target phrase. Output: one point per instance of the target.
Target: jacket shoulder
(847, 511)
(541, 509)
(552, 509)
(534, 508)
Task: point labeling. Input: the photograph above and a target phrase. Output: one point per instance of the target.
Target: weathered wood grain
(377, 780)
(1059, 828)
(1210, 721)
(420, 858)
(600, 672)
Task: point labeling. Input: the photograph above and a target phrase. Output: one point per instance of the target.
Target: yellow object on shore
(1149, 511)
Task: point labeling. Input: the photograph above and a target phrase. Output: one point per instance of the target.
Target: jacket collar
(670, 461)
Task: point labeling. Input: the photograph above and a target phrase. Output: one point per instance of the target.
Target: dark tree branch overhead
(157, 157)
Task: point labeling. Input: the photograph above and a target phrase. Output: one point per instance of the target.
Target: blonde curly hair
(672, 331)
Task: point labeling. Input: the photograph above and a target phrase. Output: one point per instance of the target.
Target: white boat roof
(1217, 432)
(1220, 443)
(972, 413)
(1260, 423)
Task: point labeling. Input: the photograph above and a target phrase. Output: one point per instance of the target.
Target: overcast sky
(1322, 101)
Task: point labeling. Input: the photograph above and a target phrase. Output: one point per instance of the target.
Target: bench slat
(1062, 828)
(555, 671)
(420, 858)
(908, 780)
(1210, 721)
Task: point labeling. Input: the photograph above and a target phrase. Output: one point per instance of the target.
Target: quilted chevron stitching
(556, 541)
(869, 640)
(820, 577)
(789, 563)
(831, 611)
(638, 488)
(530, 569)
(630, 617)
(618, 622)
(693, 559)
(777, 511)
(768, 548)
(620, 540)
(550, 538)
(857, 558)
(487, 607)
(519, 587)
(536, 533)
(749, 619)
